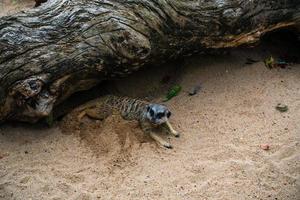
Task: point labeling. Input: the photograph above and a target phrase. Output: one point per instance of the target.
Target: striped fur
(128, 108)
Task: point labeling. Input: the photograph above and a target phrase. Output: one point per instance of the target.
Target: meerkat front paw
(171, 129)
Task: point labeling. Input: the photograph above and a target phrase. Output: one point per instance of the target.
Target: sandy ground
(8, 7)
(218, 155)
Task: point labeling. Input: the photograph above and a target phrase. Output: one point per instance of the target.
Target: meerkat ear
(169, 114)
(148, 108)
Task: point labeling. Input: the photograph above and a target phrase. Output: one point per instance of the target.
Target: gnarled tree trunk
(65, 46)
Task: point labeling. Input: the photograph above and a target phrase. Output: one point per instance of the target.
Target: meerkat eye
(160, 115)
(151, 112)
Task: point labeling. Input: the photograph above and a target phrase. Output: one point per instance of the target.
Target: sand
(8, 7)
(218, 155)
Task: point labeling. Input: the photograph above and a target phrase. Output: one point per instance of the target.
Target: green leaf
(282, 108)
(269, 62)
(174, 91)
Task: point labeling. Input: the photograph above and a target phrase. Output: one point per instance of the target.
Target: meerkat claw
(177, 134)
(169, 146)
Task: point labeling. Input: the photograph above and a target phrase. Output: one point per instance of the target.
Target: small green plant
(269, 62)
(14, 2)
(174, 91)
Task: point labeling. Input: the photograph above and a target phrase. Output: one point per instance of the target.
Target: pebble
(265, 147)
(195, 90)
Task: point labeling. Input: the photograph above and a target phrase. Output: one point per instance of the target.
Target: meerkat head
(157, 114)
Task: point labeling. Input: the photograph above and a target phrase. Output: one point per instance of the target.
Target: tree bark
(64, 46)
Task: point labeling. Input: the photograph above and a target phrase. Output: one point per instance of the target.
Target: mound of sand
(112, 137)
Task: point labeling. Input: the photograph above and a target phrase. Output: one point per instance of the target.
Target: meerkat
(149, 115)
